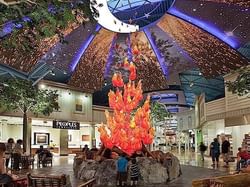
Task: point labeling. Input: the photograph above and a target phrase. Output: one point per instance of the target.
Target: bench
(239, 180)
(89, 183)
(46, 181)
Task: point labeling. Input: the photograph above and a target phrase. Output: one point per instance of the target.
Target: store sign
(66, 125)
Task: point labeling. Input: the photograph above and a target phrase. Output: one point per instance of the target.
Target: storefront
(43, 133)
(237, 135)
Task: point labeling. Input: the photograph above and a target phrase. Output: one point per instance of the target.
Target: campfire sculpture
(124, 130)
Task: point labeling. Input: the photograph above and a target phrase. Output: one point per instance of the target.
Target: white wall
(238, 134)
(233, 101)
(67, 101)
(11, 131)
(211, 129)
(97, 136)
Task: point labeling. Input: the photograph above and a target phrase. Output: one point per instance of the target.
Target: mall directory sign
(66, 125)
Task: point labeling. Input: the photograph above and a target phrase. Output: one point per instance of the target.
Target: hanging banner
(66, 125)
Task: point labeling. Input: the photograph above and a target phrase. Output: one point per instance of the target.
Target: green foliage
(158, 112)
(20, 95)
(44, 22)
(241, 86)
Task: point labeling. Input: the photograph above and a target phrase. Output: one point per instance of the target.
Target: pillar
(2, 149)
(196, 140)
(63, 142)
(29, 131)
(93, 138)
(179, 142)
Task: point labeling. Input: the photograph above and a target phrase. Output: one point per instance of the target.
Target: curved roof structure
(185, 47)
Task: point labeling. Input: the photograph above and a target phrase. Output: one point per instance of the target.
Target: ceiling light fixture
(52, 73)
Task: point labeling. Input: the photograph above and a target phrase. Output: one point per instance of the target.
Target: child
(134, 173)
(122, 164)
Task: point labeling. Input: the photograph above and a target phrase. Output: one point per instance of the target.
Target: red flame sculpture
(124, 130)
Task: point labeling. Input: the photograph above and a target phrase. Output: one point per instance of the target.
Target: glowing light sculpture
(126, 131)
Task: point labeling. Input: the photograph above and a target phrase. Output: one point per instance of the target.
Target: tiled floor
(192, 168)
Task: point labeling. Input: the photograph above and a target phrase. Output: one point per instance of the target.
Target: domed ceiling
(183, 45)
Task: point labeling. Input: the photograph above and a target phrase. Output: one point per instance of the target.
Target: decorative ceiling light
(106, 19)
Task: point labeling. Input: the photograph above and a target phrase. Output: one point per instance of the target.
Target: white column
(195, 139)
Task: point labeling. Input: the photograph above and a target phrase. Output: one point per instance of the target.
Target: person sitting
(43, 154)
(243, 158)
(85, 149)
(94, 149)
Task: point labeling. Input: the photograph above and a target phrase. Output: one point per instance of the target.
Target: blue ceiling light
(110, 58)
(160, 58)
(130, 55)
(209, 27)
(83, 48)
(166, 97)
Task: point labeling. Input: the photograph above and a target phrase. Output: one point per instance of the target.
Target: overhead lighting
(191, 84)
(42, 86)
(52, 73)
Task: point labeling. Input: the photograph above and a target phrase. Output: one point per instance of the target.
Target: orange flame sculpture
(124, 130)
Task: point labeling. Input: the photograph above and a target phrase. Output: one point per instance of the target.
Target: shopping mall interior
(99, 93)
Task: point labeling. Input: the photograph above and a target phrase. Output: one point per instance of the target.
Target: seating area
(239, 180)
(44, 162)
(46, 181)
(25, 162)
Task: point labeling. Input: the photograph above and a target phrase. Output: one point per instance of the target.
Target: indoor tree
(241, 85)
(158, 112)
(21, 95)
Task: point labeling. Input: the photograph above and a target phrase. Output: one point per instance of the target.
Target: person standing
(17, 152)
(134, 172)
(9, 151)
(122, 166)
(203, 148)
(225, 148)
(215, 151)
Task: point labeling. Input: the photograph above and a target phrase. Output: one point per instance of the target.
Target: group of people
(216, 150)
(122, 170)
(243, 156)
(13, 150)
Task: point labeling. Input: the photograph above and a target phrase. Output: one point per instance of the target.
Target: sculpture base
(152, 172)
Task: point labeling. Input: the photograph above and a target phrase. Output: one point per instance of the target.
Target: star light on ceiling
(147, 15)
